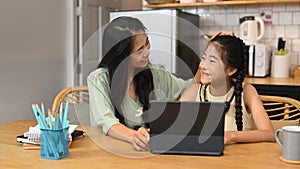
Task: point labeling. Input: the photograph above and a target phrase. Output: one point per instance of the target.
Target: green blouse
(102, 113)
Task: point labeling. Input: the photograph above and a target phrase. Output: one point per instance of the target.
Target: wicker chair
(72, 95)
(281, 108)
(282, 111)
(78, 99)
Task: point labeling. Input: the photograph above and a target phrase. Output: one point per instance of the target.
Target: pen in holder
(54, 143)
(280, 67)
(54, 137)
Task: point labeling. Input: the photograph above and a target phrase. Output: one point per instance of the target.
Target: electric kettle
(249, 28)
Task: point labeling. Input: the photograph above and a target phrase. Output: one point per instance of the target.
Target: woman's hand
(140, 140)
(218, 34)
(197, 77)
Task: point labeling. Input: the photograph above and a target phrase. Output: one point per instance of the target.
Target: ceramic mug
(290, 142)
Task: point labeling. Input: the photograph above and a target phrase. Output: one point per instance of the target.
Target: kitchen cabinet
(288, 87)
(219, 3)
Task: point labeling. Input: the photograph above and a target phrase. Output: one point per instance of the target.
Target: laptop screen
(179, 127)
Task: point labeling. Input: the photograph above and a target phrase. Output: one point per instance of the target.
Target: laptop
(191, 128)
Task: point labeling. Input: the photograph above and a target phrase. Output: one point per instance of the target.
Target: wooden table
(84, 153)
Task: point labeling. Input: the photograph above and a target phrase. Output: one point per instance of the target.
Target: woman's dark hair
(233, 53)
(117, 44)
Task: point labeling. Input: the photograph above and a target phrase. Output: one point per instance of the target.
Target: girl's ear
(231, 71)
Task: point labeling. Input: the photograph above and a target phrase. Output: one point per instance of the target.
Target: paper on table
(33, 134)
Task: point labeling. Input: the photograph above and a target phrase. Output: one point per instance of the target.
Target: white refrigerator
(174, 36)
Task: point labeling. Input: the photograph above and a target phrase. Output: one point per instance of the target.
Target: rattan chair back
(72, 95)
(281, 108)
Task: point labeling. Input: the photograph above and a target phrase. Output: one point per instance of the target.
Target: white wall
(285, 21)
(35, 54)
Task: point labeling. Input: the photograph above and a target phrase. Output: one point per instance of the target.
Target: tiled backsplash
(285, 22)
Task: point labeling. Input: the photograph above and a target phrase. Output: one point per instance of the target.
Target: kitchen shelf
(219, 3)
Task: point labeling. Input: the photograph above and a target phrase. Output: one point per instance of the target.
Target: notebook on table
(193, 128)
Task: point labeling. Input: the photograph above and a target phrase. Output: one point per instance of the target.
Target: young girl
(125, 81)
(222, 74)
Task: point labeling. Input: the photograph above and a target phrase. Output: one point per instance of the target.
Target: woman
(125, 81)
(222, 75)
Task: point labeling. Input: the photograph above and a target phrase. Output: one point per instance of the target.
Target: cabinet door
(89, 20)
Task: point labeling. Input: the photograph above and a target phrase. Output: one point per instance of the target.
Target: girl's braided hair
(233, 53)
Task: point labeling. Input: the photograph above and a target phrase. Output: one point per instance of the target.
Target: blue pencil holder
(54, 143)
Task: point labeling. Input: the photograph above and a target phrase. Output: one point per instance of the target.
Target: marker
(50, 118)
(65, 123)
(41, 120)
(43, 110)
(61, 115)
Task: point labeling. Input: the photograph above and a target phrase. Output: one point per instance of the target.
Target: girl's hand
(140, 140)
(229, 136)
